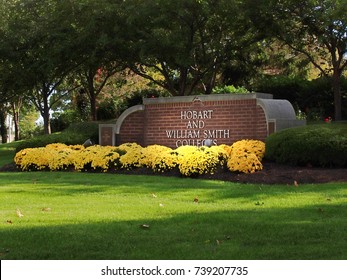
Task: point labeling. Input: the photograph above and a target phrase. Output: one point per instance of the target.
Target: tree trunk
(46, 122)
(211, 83)
(16, 125)
(336, 85)
(93, 111)
(183, 81)
(15, 112)
(91, 94)
(3, 127)
(45, 115)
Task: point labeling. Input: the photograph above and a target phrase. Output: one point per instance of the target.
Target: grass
(7, 152)
(100, 216)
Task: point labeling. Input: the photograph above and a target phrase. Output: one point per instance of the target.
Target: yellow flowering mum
(242, 156)
(246, 155)
(33, 159)
(194, 161)
(158, 158)
(250, 146)
(97, 157)
(132, 157)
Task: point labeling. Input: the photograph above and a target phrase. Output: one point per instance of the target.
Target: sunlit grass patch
(102, 216)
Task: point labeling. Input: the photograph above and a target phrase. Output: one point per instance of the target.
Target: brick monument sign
(200, 120)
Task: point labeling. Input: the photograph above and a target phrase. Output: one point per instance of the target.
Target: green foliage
(107, 110)
(28, 127)
(282, 87)
(230, 89)
(75, 134)
(189, 46)
(134, 96)
(63, 120)
(318, 145)
(314, 97)
(315, 29)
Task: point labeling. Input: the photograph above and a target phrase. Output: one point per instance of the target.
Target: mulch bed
(272, 173)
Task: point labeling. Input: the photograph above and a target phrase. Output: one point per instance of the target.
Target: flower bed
(243, 156)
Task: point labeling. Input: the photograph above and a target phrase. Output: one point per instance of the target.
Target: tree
(29, 125)
(98, 44)
(7, 82)
(39, 44)
(314, 28)
(186, 41)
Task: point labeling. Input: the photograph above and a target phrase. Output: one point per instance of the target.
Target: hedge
(312, 145)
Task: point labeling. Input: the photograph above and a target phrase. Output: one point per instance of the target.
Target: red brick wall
(225, 120)
(132, 129)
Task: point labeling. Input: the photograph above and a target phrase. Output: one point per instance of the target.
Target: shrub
(53, 157)
(250, 147)
(317, 145)
(246, 155)
(158, 158)
(243, 156)
(193, 161)
(61, 155)
(97, 157)
(166, 161)
(33, 159)
(132, 156)
(76, 134)
(230, 89)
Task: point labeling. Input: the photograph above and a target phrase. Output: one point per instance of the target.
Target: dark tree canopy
(314, 28)
(188, 42)
(50, 47)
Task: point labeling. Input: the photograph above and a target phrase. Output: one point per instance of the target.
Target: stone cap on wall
(203, 98)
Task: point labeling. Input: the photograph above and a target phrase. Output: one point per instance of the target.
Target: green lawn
(101, 216)
(7, 152)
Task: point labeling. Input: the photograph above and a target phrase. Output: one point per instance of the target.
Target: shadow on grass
(76, 183)
(302, 232)
(261, 234)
